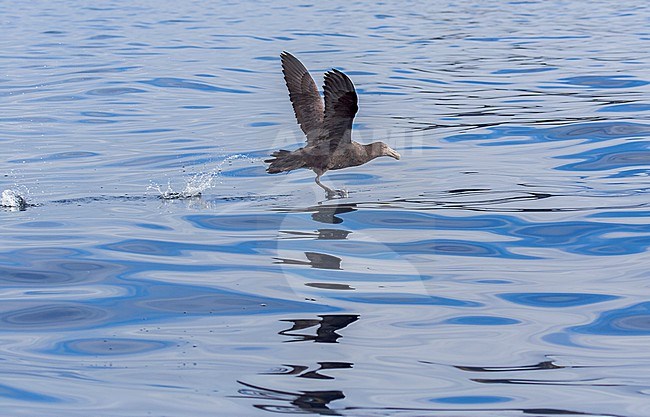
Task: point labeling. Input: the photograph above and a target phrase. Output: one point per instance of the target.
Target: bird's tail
(284, 161)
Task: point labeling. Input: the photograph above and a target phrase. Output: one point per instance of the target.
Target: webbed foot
(332, 194)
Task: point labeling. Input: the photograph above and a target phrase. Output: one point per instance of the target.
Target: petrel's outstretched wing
(306, 101)
(340, 108)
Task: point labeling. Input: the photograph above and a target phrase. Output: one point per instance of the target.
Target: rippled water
(499, 269)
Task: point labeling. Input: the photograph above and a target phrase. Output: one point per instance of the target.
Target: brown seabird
(328, 128)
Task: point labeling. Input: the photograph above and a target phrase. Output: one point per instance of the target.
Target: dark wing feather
(304, 96)
(340, 108)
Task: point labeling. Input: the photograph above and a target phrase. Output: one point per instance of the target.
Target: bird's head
(377, 149)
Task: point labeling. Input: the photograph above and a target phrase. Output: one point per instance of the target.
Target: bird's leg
(330, 193)
(327, 189)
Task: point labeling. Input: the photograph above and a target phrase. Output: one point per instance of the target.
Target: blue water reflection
(588, 132)
(482, 321)
(556, 300)
(624, 108)
(9, 392)
(499, 268)
(605, 81)
(625, 155)
(472, 399)
(146, 301)
(582, 237)
(107, 347)
(192, 85)
(629, 321)
(407, 299)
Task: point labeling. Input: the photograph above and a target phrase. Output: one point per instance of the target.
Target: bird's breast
(344, 158)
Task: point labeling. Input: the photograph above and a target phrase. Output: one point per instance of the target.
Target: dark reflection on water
(302, 371)
(535, 367)
(315, 260)
(320, 234)
(302, 402)
(309, 402)
(318, 402)
(329, 286)
(331, 214)
(516, 381)
(326, 328)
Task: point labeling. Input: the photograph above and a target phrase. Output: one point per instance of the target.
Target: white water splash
(199, 182)
(11, 199)
(228, 160)
(168, 193)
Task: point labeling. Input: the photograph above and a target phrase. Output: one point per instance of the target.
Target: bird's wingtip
(332, 73)
(338, 76)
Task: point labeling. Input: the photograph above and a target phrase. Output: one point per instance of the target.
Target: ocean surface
(150, 267)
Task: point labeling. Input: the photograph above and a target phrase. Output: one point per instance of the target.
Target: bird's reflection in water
(323, 214)
(324, 234)
(302, 371)
(315, 260)
(329, 214)
(545, 365)
(326, 327)
(318, 402)
(302, 402)
(330, 286)
(305, 402)
(333, 234)
(326, 330)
